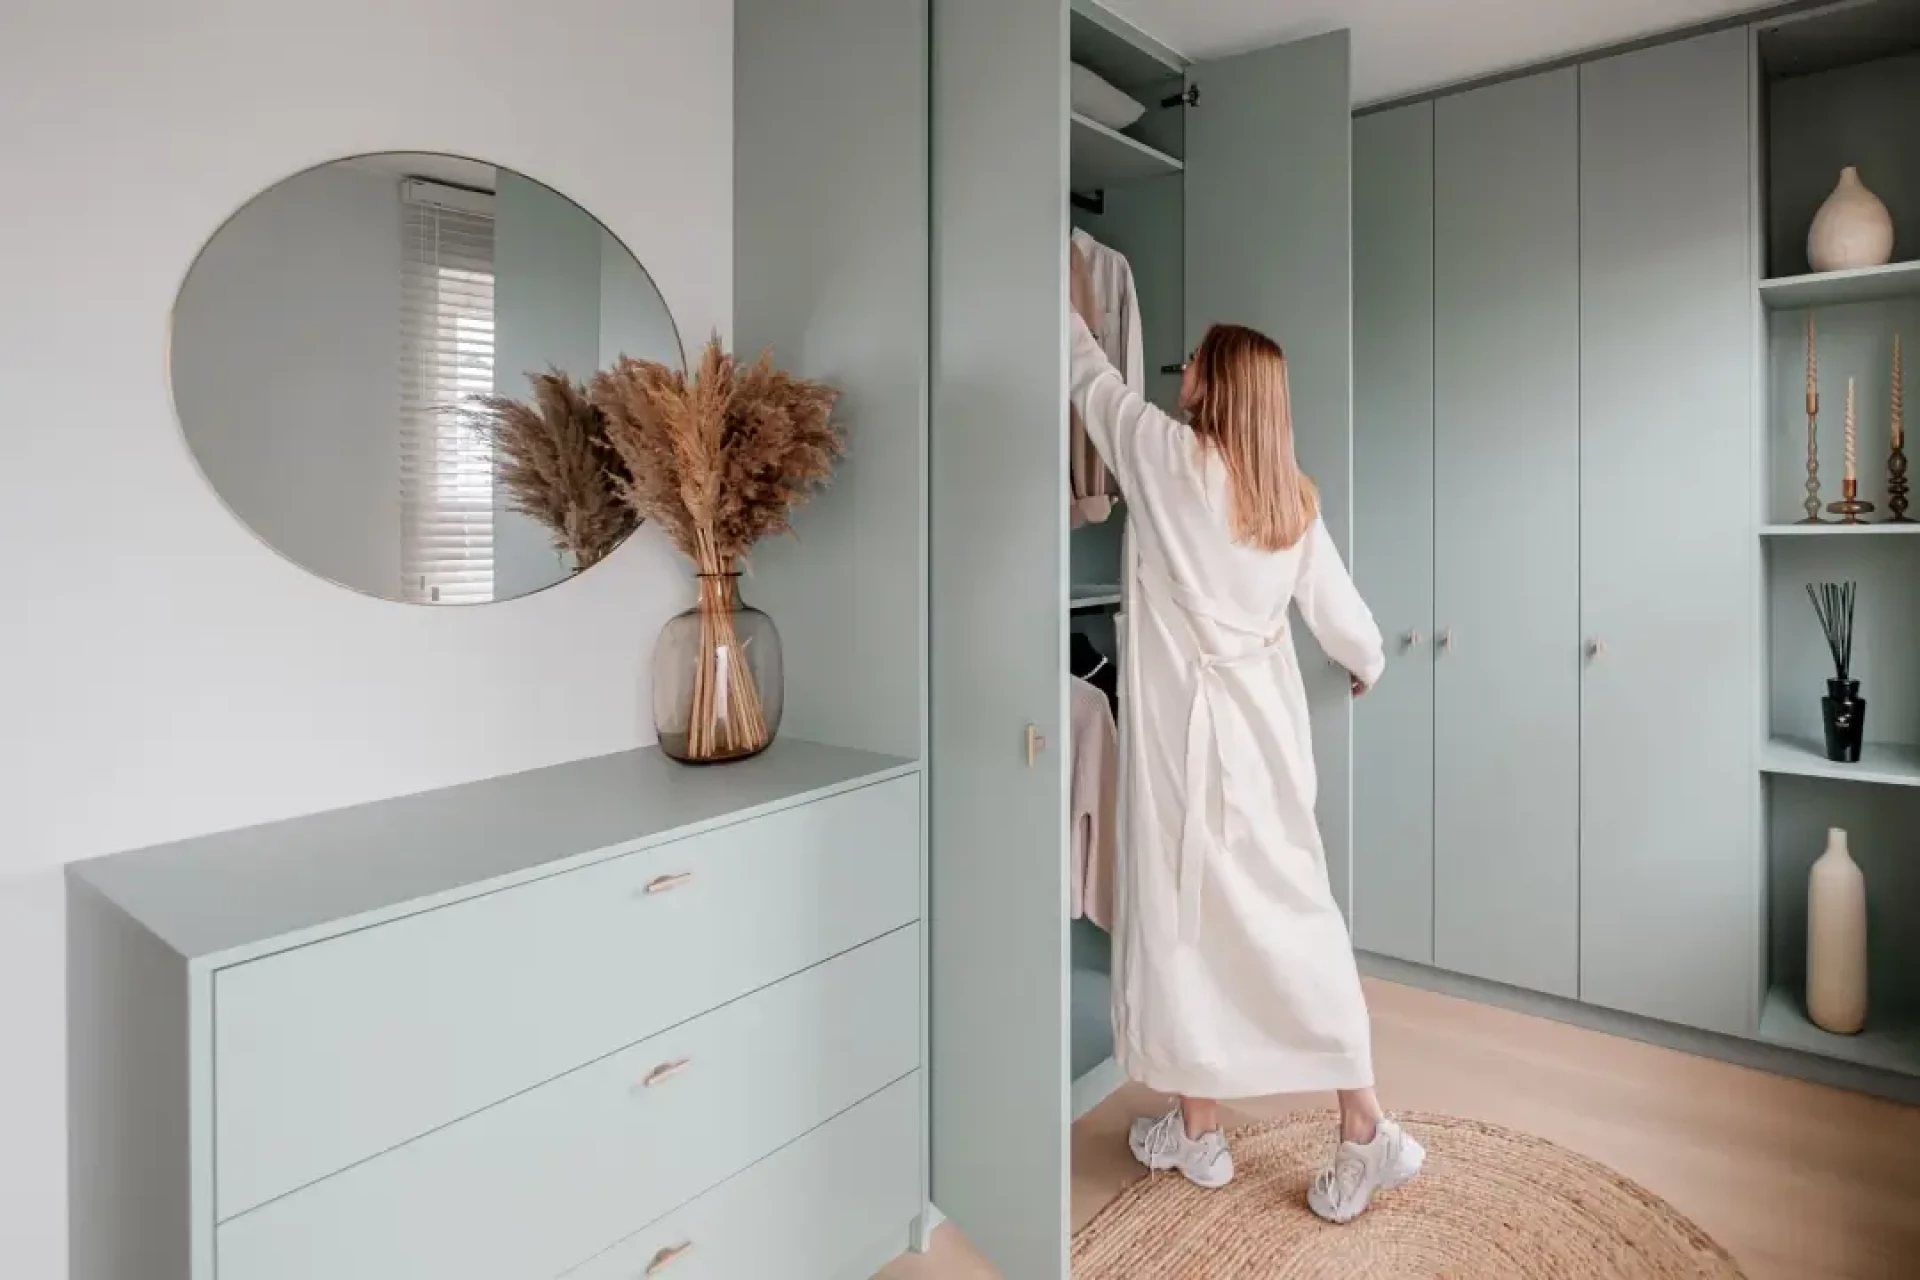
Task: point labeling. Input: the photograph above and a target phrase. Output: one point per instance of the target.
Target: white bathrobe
(1233, 975)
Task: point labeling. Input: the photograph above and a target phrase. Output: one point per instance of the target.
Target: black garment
(1085, 660)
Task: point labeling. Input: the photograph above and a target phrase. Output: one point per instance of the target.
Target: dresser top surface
(284, 883)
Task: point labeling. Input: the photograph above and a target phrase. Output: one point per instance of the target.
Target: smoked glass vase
(718, 684)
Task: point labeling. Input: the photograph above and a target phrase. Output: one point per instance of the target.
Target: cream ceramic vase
(1837, 940)
(1852, 229)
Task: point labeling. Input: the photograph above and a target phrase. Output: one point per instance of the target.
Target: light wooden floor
(1798, 1181)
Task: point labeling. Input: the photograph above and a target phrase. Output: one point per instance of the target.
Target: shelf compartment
(1092, 1069)
(1884, 764)
(1101, 157)
(1886, 648)
(1889, 1043)
(1883, 834)
(1842, 288)
(1120, 53)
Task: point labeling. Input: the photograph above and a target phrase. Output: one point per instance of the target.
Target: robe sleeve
(1132, 434)
(1331, 606)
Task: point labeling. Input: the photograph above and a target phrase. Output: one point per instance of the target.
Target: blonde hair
(1240, 407)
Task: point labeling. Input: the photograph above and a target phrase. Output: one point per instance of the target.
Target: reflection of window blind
(446, 337)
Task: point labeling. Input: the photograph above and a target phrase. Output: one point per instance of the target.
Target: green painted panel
(1268, 226)
(1507, 532)
(1669, 905)
(998, 629)
(1393, 527)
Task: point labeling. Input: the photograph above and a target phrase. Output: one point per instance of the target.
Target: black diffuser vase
(1844, 714)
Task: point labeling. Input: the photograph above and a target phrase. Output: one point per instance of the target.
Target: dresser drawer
(804, 1213)
(333, 1053)
(535, 1184)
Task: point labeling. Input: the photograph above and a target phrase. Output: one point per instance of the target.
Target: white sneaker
(1359, 1173)
(1163, 1144)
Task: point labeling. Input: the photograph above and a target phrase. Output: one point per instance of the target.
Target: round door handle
(1596, 648)
(1413, 638)
(1446, 640)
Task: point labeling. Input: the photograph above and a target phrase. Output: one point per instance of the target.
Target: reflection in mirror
(336, 341)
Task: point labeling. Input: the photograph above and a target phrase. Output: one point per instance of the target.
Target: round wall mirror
(347, 349)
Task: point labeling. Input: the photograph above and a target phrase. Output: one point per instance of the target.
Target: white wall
(161, 672)
(286, 374)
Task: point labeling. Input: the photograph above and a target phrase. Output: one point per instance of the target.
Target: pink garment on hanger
(1094, 790)
(1104, 296)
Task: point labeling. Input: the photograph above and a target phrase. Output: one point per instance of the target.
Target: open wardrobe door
(998, 532)
(1269, 244)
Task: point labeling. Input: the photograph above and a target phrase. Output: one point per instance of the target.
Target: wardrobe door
(1268, 225)
(1507, 532)
(1668, 896)
(998, 581)
(1392, 909)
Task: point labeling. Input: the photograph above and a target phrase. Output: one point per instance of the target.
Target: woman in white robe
(1234, 976)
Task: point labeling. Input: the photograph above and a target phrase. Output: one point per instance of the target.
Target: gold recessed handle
(667, 1257)
(665, 1072)
(1036, 743)
(667, 884)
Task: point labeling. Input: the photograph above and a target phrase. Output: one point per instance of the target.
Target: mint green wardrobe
(1266, 243)
(1554, 364)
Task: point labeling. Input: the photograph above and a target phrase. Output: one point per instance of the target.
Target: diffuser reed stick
(1833, 604)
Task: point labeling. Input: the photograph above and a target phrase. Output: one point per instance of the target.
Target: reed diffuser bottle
(1843, 712)
(1837, 940)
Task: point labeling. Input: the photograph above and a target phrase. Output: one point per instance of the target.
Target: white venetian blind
(446, 337)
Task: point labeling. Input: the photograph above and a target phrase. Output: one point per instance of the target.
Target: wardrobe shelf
(1101, 157)
(1838, 530)
(1890, 1042)
(1093, 596)
(1839, 288)
(1881, 763)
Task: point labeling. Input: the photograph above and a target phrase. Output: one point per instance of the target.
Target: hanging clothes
(1085, 661)
(1092, 795)
(1104, 297)
(1233, 972)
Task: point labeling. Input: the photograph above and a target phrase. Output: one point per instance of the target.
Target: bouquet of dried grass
(719, 460)
(557, 466)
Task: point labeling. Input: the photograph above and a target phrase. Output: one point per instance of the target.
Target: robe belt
(1206, 764)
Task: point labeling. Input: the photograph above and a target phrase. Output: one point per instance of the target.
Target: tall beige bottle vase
(1837, 940)
(1852, 229)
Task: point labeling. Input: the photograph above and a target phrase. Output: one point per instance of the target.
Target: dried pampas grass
(557, 466)
(719, 460)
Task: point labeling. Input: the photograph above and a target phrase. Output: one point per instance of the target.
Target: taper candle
(1849, 431)
(1813, 368)
(1898, 412)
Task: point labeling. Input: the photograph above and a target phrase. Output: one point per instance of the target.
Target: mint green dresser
(608, 1018)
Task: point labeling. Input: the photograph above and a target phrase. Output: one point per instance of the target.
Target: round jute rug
(1490, 1205)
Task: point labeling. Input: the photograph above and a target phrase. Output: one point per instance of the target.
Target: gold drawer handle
(667, 1257)
(665, 1072)
(667, 884)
